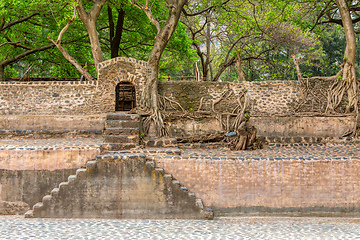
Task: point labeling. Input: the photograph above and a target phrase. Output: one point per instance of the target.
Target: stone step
(121, 124)
(122, 116)
(71, 178)
(114, 157)
(121, 139)
(29, 214)
(47, 208)
(46, 198)
(122, 131)
(124, 152)
(160, 170)
(55, 192)
(117, 146)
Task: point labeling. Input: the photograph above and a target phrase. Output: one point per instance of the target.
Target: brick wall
(265, 185)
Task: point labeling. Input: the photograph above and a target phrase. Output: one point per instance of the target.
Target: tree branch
(148, 13)
(17, 21)
(66, 54)
(24, 54)
(204, 10)
(15, 44)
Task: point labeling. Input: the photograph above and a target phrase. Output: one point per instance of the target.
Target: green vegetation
(262, 35)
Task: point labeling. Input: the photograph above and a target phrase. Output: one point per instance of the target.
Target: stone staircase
(121, 132)
(121, 184)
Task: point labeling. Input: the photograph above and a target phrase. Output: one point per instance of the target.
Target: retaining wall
(252, 186)
(271, 126)
(26, 175)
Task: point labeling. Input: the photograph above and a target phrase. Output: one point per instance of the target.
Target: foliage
(267, 33)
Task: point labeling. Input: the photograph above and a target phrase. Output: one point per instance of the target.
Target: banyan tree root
(203, 138)
(246, 139)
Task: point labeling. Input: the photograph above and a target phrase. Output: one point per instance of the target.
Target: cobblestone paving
(334, 151)
(51, 143)
(15, 227)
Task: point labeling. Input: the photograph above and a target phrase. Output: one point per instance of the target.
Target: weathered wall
(127, 188)
(271, 186)
(118, 70)
(268, 97)
(73, 97)
(46, 159)
(271, 126)
(28, 175)
(49, 98)
(29, 186)
(303, 126)
(69, 102)
(53, 122)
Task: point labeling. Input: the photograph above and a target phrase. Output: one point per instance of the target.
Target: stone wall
(98, 97)
(49, 98)
(71, 101)
(267, 97)
(118, 70)
(73, 97)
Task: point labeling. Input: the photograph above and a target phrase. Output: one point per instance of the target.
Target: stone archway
(125, 96)
(117, 70)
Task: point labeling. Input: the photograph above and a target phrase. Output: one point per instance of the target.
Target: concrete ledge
(319, 211)
(303, 126)
(52, 123)
(271, 126)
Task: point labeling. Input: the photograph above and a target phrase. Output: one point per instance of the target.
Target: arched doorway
(125, 96)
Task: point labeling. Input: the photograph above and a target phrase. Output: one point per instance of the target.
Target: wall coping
(234, 82)
(47, 83)
(121, 59)
(95, 83)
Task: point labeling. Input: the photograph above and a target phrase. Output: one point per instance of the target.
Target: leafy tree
(165, 29)
(345, 14)
(16, 41)
(253, 35)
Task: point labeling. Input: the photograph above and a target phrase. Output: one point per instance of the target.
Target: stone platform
(321, 180)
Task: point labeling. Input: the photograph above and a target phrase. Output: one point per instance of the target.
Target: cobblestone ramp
(121, 132)
(120, 185)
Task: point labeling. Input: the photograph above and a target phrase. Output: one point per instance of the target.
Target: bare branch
(204, 10)
(66, 54)
(148, 13)
(58, 41)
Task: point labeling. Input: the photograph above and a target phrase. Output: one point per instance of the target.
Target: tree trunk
(115, 31)
(208, 47)
(297, 67)
(89, 20)
(239, 67)
(149, 98)
(95, 43)
(349, 57)
(73, 61)
(223, 68)
(2, 72)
